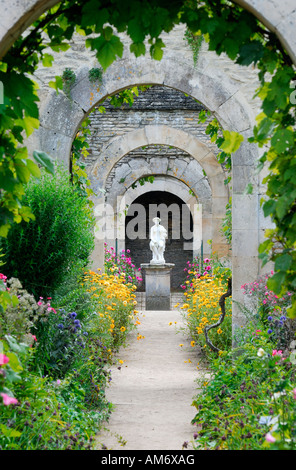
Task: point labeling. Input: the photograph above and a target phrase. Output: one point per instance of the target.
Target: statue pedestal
(158, 285)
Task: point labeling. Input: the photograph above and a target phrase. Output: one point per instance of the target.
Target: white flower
(277, 395)
(260, 352)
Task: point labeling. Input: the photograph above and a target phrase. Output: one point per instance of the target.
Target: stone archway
(203, 191)
(60, 119)
(226, 104)
(177, 219)
(189, 231)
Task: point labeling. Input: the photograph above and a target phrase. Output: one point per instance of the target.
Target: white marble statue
(158, 235)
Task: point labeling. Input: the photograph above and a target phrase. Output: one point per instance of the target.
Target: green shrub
(249, 400)
(19, 317)
(38, 413)
(45, 252)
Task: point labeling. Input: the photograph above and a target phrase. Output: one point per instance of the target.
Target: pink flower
(277, 353)
(7, 400)
(294, 393)
(206, 260)
(3, 359)
(269, 437)
(208, 268)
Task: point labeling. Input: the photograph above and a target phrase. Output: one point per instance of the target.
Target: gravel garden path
(153, 389)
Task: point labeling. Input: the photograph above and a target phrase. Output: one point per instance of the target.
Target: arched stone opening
(175, 217)
(226, 104)
(61, 119)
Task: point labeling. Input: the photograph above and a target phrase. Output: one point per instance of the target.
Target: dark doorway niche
(175, 217)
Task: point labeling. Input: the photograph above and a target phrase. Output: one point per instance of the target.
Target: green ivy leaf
(136, 31)
(156, 49)
(33, 168)
(269, 207)
(283, 262)
(275, 282)
(45, 160)
(57, 84)
(22, 171)
(282, 140)
(250, 53)
(138, 48)
(108, 48)
(232, 141)
(47, 60)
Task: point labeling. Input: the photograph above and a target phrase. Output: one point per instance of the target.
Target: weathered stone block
(158, 286)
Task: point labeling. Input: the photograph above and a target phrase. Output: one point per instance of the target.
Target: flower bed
(54, 371)
(201, 307)
(247, 398)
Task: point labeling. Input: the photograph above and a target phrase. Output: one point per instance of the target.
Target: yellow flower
(122, 328)
(185, 306)
(219, 331)
(177, 305)
(192, 343)
(181, 345)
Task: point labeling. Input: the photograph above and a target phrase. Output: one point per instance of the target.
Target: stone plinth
(158, 285)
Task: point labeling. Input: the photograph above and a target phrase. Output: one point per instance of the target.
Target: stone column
(158, 285)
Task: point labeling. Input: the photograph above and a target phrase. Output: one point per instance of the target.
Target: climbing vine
(227, 28)
(195, 41)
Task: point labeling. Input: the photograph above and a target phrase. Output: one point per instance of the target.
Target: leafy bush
(21, 315)
(248, 401)
(65, 408)
(38, 413)
(264, 307)
(60, 342)
(43, 253)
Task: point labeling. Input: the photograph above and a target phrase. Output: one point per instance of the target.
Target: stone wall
(222, 87)
(219, 84)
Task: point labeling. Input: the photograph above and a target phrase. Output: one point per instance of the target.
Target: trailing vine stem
(222, 316)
